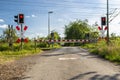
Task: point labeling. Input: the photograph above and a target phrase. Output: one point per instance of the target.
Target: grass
(8, 56)
(110, 52)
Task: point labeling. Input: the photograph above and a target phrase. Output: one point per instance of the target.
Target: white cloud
(31, 34)
(62, 20)
(3, 26)
(27, 16)
(1, 20)
(33, 15)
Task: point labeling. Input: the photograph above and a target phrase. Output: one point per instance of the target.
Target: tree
(77, 29)
(9, 33)
(55, 35)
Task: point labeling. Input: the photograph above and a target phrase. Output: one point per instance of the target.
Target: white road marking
(67, 58)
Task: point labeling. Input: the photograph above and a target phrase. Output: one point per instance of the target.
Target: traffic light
(52, 34)
(103, 20)
(21, 18)
(16, 18)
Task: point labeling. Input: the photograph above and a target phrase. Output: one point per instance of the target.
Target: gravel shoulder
(15, 70)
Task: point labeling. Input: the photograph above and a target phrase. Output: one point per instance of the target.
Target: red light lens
(103, 19)
(21, 16)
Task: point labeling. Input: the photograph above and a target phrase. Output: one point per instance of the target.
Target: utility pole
(108, 22)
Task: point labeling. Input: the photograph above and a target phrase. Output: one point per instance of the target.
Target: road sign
(18, 40)
(99, 28)
(18, 28)
(106, 28)
(25, 28)
(26, 40)
(22, 37)
(102, 32)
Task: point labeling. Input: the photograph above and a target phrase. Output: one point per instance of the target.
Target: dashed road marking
(67, 58)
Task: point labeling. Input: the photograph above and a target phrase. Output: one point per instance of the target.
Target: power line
(49, 3)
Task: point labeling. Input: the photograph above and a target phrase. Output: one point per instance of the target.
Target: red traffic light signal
(103, 20)
(21, 18)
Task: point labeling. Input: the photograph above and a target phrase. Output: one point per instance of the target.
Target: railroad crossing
(66, 41)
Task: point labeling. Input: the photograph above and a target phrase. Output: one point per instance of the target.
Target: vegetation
(54, 35)
(10, 49)
(11, 53)
(110, 52)
(79, 30)
(76, 30)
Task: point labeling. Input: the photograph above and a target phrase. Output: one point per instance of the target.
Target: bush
(4, 47)
(43, 45)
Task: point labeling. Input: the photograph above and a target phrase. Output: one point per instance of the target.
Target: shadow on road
(50, 55)
(105, 77)
(66, 52)
(80, 76)
(96, 76)
(19, 78)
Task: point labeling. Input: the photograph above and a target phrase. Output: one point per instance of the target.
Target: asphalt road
(72, 63)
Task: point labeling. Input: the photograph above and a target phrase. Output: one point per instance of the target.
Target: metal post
(11, 40)
(108, 22)
(35, 43)
(48, 24)
(21, 37)
(9, 35)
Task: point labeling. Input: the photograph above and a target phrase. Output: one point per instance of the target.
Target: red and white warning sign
(22, 34)
(102, 31)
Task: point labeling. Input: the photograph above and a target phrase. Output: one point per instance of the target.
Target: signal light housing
(103, 20)
(21, 18)
(16, 18)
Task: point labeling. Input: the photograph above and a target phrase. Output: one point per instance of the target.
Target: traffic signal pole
(108, 23)
(21, 36)
(20, 21)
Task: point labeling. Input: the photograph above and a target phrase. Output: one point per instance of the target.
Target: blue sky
(64, 11)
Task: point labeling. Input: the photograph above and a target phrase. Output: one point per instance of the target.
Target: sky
(64, 12)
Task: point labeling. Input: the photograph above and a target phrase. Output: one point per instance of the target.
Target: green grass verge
(8, 56)
(111, 52)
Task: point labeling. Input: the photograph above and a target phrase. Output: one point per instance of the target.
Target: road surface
(72, 63)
